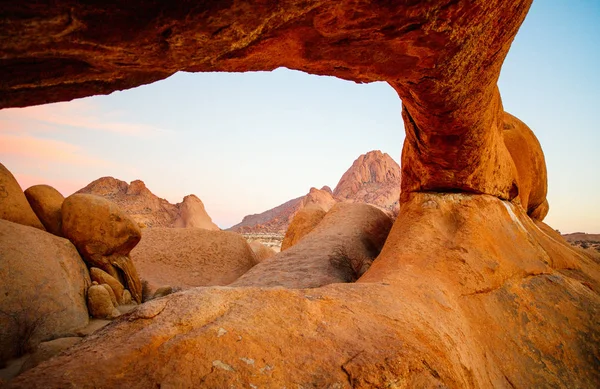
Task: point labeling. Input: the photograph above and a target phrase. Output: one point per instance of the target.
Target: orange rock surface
(46, 202)
(189, 257)
(13, 203)
(356, 232)
(303, 222)
(532, 178)
(444, 305)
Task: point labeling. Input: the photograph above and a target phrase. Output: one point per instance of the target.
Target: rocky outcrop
(46, 202)
(338, 249)
(463, 295)
(13, 204)
(100, 304)
(373, 178)
(275, 220)
(189, 257)
(47, 350)
(193, 214)
(102, 277)
(527, 154)
(304, 222)
(43, 284)
(104, 235)
(261, 252)
(148, 210)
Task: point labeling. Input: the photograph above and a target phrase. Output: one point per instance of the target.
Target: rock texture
(532, 178)
(468, 292)
(442, 57)
(46, 202)
(374, 178)
(104, 235)
(13, 204)
(100, 304)
(47, 350)
(148, 210)
(261, 252)
(349, 236)
(189, 257)
(304, 222)
(43, 282)
(102, 277)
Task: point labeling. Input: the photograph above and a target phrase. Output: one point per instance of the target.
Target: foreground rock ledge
(455, 300)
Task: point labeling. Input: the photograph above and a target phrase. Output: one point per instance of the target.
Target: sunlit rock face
(443, 58)
(470, 290)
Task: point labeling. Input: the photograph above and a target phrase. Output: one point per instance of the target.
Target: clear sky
(247, 142)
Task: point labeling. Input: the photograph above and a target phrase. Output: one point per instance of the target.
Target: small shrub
(351, 268)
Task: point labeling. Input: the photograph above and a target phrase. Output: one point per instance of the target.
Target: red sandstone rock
(193, 214)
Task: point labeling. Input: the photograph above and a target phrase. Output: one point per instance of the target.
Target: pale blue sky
(247, 142)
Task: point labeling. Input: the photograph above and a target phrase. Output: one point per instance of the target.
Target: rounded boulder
(46, 202)
(98, 227)
(13, 204)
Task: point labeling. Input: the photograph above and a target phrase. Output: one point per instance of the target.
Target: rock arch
(442, 57)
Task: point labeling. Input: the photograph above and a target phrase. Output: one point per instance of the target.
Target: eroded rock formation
(348, 237)
(468, 292)
(189, 257)
(374, 178)
(13, 203)
(104, 235)
(149, 210)
(46, 202)
(43, 284)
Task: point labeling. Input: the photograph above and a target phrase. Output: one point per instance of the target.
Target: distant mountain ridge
(149, 210)
(373, 178)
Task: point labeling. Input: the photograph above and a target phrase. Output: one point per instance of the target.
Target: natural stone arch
(468, 292)
(442, 57)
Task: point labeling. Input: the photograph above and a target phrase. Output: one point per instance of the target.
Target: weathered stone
(13, 204)
(100, 304)
(261, 251)
(43, 282)
(47, 350)
(303, 222)
(527, 154)
(126, 300)
(104, 235)
(162, 292)
(443, 58)
(98, 227)
(113, 298)
(339, 249)
(444, 305)
(189, 257)
(103, 277)
(46, 202)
